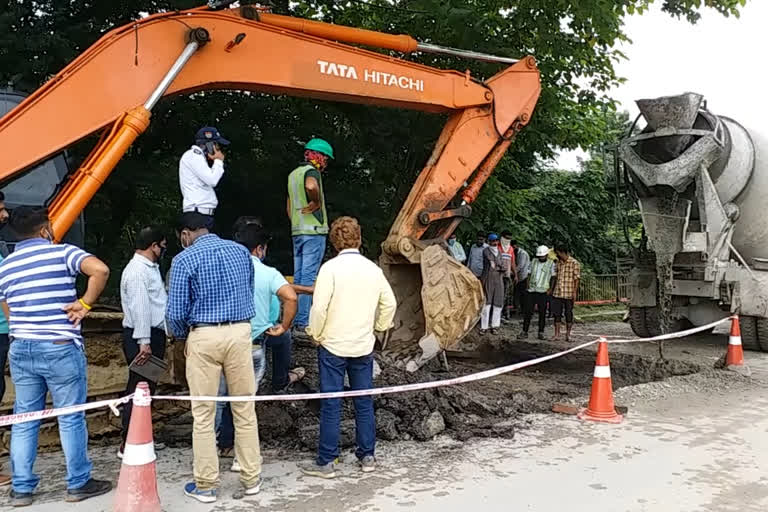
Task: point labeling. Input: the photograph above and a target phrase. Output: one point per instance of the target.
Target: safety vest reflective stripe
(304, 223)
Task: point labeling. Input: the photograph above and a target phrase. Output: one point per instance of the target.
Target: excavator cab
(37, 186)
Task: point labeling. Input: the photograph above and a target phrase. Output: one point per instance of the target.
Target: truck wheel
(653, 322)
(762, 334)
(637, 322)
(749, 333)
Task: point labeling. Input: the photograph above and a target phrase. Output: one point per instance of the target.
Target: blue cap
(493, 236)
(210, 134)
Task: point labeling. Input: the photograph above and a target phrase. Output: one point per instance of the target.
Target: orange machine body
(107, 84)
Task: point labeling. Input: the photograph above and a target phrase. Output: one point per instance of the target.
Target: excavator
(113, 86)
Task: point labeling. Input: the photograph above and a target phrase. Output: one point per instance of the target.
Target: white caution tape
(51, 413)
(385, 390)
(62, 411)
(675, 335)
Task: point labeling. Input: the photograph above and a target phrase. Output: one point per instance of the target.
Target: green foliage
(379, 151)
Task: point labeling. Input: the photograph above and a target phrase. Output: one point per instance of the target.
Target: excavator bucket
(439, 302)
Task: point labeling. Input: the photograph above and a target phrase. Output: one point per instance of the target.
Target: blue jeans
(36, 368)
(360, 372)
(224, 423)
(280, 346)
(308, 252)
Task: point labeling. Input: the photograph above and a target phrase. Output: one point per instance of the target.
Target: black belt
(219, 324)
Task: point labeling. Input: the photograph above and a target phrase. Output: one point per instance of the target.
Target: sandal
(296, 374)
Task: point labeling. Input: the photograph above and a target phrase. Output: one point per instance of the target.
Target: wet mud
(490, 408)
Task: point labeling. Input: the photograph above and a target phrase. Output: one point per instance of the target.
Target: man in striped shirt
(38, 295)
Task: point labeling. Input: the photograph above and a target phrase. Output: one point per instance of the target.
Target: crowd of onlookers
(229, 308)
(515, 283)
(221, 300)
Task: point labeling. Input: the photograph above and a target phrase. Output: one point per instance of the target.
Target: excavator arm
(114, 85)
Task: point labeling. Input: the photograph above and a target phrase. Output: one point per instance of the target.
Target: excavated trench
(490, 408)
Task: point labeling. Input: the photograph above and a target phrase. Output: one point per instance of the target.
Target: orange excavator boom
(116, 82)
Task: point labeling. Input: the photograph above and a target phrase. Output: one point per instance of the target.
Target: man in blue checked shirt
(210, 304)
(38, 295)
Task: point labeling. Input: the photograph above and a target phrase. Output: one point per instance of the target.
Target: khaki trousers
(210, 350)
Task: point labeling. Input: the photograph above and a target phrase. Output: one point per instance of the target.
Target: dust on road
(692, 430)
(684, 452)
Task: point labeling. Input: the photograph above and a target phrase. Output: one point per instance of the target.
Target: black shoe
(494, 331)
(523, 335)
(21, 499)
(91, 489)
(541, 336)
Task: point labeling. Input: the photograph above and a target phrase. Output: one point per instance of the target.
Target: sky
(725, 59)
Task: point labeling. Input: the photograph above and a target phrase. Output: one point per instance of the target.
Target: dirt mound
(489, 408)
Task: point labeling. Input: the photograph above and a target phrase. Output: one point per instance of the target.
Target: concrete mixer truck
(700, 181)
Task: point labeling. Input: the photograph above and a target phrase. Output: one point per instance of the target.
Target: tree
(380, 150)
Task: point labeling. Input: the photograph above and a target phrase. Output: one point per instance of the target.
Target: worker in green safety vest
(309, 222)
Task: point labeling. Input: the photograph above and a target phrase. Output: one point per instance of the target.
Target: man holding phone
(200, 169)
(143, 299)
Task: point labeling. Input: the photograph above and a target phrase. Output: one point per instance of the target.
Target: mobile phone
(210, 148)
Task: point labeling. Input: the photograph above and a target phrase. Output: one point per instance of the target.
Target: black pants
(538, 300)
(131, 350)
(5, 343)
(560, 306)
(521, 295)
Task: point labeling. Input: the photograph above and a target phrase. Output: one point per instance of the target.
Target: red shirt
(508, 256)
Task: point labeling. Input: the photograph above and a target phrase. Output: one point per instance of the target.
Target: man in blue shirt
(210, 304)
(38, 295)
(269, 292)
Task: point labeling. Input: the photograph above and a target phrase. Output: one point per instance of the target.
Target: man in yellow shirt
(352, 298)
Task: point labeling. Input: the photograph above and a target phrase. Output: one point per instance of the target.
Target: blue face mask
(451, 241)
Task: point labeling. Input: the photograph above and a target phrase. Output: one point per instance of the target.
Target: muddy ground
(488, 408)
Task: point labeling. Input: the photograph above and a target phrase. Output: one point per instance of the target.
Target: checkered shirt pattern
(567, 272)
(211, 281)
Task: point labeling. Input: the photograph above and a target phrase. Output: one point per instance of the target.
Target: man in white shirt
(457, 251)
(200, 169)
(352, 299)
(143, 299)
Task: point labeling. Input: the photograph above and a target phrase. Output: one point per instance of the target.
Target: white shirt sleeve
(208, 175)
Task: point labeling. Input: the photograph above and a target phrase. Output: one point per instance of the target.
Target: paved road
(685, 453)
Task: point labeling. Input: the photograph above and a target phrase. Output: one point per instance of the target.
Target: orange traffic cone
(137, 485)
(735, 354)
(601, 406)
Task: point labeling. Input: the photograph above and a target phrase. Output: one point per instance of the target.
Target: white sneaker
(368, 464)
(253, 490)
(236, 469)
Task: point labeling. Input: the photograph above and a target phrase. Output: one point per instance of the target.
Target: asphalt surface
(694, 450)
